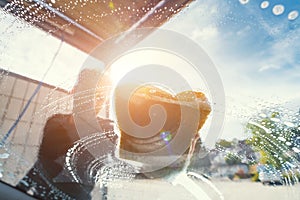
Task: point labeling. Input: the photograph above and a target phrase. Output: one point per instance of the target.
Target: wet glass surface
(211, 89)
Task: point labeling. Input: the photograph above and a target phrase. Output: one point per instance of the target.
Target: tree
(224, 144)
(232, 159)
(273, 137)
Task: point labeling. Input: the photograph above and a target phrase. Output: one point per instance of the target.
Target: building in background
(23, 142)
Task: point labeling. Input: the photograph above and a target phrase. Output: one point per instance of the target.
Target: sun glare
(131, 61)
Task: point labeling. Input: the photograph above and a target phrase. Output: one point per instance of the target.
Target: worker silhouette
(49, 178)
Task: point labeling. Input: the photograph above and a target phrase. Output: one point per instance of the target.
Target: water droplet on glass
(281, 139)
(262, 115)
(31, 192)
(244, 1)
(275, 119)
(296, 150)
(293, 15)
(289, 124)
(264, 4)
(288, 143)
(278, 9)
(4, 155)
(152, 91)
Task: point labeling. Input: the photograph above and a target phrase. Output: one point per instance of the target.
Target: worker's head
(89, 91)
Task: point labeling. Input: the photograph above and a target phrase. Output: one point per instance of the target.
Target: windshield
(150, 99)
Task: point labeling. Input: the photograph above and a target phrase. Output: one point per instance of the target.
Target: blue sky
(245, 33)
(255, 51)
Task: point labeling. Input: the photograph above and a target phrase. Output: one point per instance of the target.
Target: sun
(129, 62)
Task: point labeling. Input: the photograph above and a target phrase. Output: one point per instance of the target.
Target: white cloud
(244, 31)
(268, 67)
(205, 33)
(282, 53)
